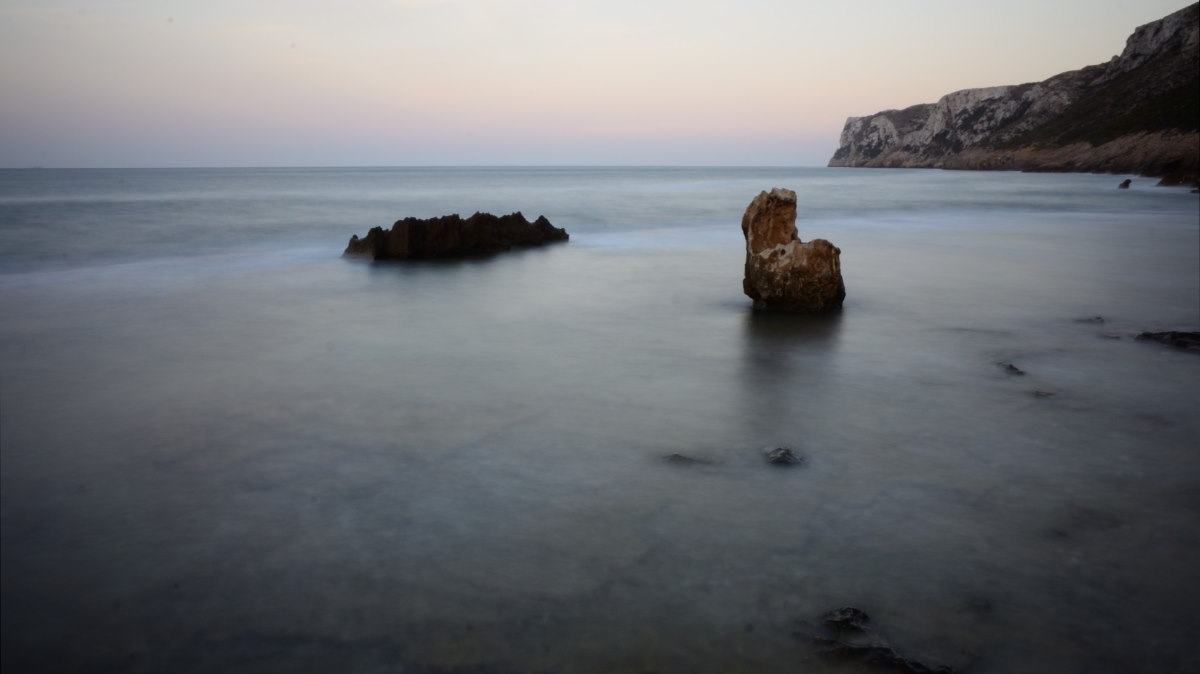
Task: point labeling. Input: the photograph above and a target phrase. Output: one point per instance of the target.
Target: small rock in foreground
(782, 456)
(867, 646)
(848, 618)
(1010, 368)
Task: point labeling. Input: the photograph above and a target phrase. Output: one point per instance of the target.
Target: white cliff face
(965, 117)
(958, 120)
(963, 128)
(872, 136)
(1177, 31)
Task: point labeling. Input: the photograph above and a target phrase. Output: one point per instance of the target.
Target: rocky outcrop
(1186, 340)
(1138, 113)
(452, 236)
(782, 456)
(782, 272)
(850, 637)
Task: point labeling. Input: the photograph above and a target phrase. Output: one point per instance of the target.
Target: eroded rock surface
(782, 272)
(453, 236)
(1135, 114)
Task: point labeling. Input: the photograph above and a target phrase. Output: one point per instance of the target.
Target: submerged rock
(1179, 179)
(879, 655)
(867, 646)
(684, 460)
(782, 456)
(452, 236)
(848, 618)
(1010, 368)
(1188, 341)
(782, 272)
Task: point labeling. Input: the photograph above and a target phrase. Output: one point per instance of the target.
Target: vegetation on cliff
(1138, 113)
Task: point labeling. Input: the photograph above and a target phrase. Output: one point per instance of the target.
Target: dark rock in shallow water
(782, 456)
(1188, 341)
(684, 460)
(880, 655)
(1010, 368)
(452, 236)
(1125, 184)
(865, 645)
(848, 618)
(1180, 179)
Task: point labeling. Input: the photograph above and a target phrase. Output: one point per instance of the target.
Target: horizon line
(403, 166)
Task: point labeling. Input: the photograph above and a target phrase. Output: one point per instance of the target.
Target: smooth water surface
(227, 449)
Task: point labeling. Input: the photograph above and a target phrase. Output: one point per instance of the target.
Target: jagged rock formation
(452, 236)
(1180, 339)
(783, 273)
(1138, 113)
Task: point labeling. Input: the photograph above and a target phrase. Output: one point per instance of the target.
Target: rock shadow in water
(774, 330)
(784, 357)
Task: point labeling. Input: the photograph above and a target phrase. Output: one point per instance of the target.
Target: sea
(227, 448)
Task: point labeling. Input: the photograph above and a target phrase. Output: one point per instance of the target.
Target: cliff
(1138, 113)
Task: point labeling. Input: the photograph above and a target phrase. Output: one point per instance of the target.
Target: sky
(154, 83)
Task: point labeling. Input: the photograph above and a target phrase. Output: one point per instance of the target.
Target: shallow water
(227, 449)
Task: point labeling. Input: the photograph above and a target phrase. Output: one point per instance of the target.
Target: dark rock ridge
(684, 460)
(1138, 113)
(782, 272)
(452, 236)
(1186, 340)
(782, 456)
(857, 641)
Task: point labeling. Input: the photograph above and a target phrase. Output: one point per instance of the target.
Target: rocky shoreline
(1139, 113)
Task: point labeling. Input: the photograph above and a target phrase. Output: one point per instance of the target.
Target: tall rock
(1138, 113)
(782, 272)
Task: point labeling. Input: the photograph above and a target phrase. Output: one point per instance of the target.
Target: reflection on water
(785, 359)
(294, 462)
(769, 335)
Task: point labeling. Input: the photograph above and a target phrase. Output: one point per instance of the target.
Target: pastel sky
(119, 83)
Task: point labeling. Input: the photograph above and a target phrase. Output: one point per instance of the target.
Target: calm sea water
(227, 449)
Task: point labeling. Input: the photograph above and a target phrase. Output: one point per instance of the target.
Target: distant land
(1138, 113)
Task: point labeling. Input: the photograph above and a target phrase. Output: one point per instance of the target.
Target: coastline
(1149, 155)
(1138, 113)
